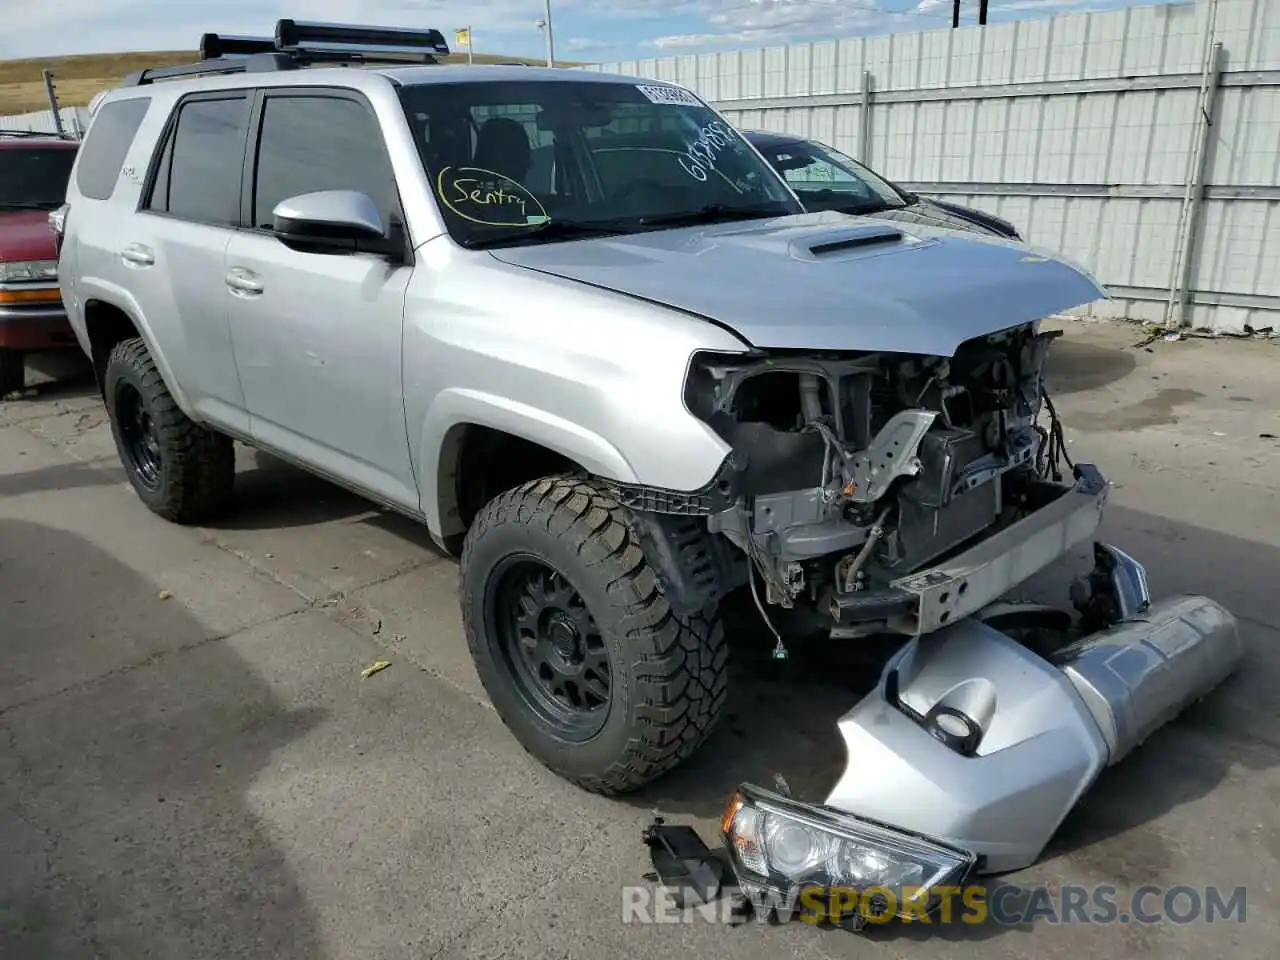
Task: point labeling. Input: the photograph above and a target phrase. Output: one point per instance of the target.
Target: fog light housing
(798, 858)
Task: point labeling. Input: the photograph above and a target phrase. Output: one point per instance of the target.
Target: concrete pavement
(191, 765)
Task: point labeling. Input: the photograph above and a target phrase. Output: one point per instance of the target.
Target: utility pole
(982, 13)
(546, 25)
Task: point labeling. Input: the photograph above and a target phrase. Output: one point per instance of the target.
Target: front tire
(575, 644)
(182, 471)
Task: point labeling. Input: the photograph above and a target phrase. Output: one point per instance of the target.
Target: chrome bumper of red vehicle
(32, 317)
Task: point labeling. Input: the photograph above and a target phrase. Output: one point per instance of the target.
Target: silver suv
(579, 328)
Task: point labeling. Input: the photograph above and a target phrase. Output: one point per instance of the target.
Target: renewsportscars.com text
(1003, 904)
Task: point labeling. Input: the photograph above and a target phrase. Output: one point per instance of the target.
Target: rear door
(174, 249)
(318, 335)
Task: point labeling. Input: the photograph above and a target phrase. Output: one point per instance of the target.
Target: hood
(826, 281)
(26, 235)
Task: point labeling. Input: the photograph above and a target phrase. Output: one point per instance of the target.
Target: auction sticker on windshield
(488, 197)
(664, 94)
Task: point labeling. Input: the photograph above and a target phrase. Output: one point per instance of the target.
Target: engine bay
(855, 470)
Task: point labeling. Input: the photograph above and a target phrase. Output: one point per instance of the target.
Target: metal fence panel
(74, 121)
(1080, 128)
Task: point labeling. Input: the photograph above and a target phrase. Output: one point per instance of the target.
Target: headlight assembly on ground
(779, 848)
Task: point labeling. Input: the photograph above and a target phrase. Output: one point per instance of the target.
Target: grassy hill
(78, 78)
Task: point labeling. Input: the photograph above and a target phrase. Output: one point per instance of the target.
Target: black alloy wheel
(549, 642)
(574, 641)
(181, 470)
(139, 436)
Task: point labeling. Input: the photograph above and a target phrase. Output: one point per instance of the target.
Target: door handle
(243, 281)
(136, 255)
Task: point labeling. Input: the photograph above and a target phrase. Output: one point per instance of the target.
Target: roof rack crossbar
(216, 45)
(291, 34)
(299, 44)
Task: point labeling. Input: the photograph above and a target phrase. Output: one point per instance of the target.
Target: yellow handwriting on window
(488, 197)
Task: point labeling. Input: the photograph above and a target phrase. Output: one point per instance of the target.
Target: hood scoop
(876, 235)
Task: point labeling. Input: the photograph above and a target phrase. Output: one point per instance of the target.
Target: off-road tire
(668, 674)
(197, 465)
(13, 371)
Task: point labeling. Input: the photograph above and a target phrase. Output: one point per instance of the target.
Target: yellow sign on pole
(462, 38)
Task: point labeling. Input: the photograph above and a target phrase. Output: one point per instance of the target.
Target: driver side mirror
(330, 218)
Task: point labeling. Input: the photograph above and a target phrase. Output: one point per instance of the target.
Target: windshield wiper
(26, 205)
(547, 230)
(867, 206)
(714, 213)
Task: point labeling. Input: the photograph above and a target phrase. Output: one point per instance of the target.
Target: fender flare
(458, 406)
(122, 300)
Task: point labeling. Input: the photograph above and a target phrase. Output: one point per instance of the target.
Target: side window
(110, 136)
(313, 143)
(198, 176)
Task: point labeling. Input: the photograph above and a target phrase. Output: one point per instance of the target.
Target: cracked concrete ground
(192, 767)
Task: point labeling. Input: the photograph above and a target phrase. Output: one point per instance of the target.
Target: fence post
(1175, 310)
(864, 116)
(53, 100)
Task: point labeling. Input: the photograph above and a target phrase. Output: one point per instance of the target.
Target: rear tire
(182, 471)
(13, 371)
(556, 559)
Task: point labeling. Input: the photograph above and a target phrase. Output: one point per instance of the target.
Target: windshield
(521, 162)
(34, 178)
(826, 179)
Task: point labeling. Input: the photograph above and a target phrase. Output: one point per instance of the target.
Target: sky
(598, 30)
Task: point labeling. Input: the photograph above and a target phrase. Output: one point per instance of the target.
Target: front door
(317, 336)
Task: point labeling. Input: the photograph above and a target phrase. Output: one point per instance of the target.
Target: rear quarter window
(110, 136)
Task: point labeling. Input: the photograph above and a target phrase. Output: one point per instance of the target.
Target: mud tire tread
(676, 677)
(198, 464)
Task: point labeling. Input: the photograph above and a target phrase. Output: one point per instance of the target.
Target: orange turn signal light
(46, 295)
(731, 812)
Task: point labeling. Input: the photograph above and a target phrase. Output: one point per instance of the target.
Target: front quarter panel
(593, 375)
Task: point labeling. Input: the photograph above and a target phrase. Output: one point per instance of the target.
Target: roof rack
(299, 44)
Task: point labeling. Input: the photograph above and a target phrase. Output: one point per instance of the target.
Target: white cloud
(770, 22)
(55, 27)
(586, 45)
(775, 21)
(968, 9)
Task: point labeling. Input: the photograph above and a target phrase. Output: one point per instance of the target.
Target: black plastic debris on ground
(684, 864)
(694, 873)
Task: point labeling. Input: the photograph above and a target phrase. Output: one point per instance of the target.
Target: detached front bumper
(973, 739)
(972, 749)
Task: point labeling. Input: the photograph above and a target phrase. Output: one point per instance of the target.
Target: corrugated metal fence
(1142, 143)
(74, 121)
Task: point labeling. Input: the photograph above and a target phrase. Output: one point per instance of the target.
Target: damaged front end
(910, 495)
(894, 493)
(973, 748)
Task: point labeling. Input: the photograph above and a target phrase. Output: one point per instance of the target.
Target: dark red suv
(34, 170)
